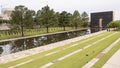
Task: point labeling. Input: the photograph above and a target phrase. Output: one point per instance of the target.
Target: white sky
(89, 6)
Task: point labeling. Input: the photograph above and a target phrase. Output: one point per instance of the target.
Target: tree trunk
(22, 30)
(75, 26)
(47, 29)
(64, 28)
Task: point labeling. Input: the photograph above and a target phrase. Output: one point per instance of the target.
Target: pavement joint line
(83, 42)
(33, 59)
(111, 46)
(20, 64)
(68, 55)
(94, 60)
(51, 53)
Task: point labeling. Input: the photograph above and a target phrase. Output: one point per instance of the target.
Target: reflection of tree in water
(79, 33)
(61, 36)
(50, 39)
(29, 43)
(68, 35)
(1, 50)
(24, 44)
(39, 41)
(17, 45)
(35, 42)
(44, 40)
(53, 38)
(73, 34)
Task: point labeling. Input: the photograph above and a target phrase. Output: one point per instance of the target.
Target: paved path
(68, 55)
(114, 61)
(99, 56)
(22, 54)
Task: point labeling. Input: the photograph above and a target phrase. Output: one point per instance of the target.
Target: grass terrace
(77, 60)
(29, 32)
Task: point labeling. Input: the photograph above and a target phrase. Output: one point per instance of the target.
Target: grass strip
(107, 56)
(83, 57)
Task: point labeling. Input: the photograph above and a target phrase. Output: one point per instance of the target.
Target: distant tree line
(24, 18)
(114, 24)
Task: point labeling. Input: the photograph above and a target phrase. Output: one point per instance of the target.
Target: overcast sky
(89, 6)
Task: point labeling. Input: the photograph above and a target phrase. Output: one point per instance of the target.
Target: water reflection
(1, 49)
(5, 49)
(28, 43)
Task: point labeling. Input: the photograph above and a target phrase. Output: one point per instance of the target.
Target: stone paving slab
(114, 61)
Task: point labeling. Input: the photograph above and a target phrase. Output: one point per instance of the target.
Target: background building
(100, 20)
(5, 15)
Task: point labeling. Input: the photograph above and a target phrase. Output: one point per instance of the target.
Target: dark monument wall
(106, 17)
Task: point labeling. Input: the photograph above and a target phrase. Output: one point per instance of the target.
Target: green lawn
(107, 56)
(29, 32)
(80, 59)
(74, 61)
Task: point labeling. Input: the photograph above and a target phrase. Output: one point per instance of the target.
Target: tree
(64, 19)
(56, 19)
(29, 19)
(85, 19)
(85, 24)
(21, 17)
(38, 18)
(76, 19)
(84, 16)
(45, 16)
(114, 24)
